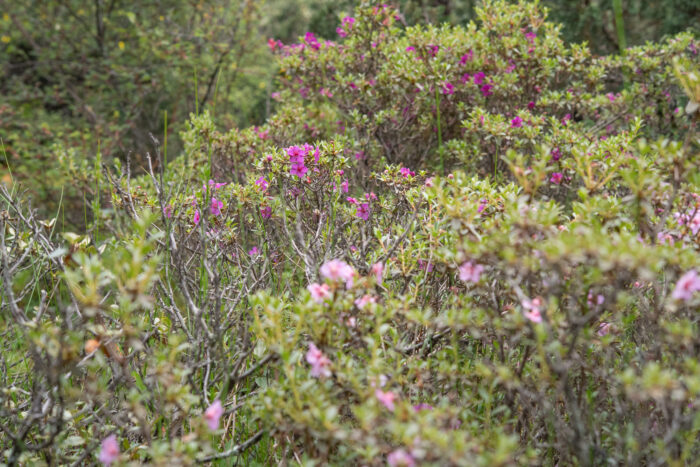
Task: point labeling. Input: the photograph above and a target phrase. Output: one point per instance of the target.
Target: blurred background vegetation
(86, 78)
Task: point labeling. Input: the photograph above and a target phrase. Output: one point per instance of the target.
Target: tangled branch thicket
(449, 246)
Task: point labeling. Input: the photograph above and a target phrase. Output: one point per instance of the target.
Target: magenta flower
(448, 88)
(319, 292)
(486, 90)
(341, 32)
(262, 183)
(400, 458)
(433, 49)
(470, 272)
(320, 364)
(109, 451)
(378, 270)
(422, 406)
(465, 78)
(687, 285)
(386, 398)
(213, 414)
(254, 251)
(310, 39)
(326, 92)
(531, 105)
(168, 211)
(216, 206)
(338, 270)
(345, 186)
(556, 178)
(479, 77)
(611, 97)
(197, 217)
(530, 36)
(348, 21)
(363, 211)
(266, 212)
(466, 58)
(406, 172)
(517, 122)
(426, 265)
(296, 154)
(556, 154)
(360, 155)
(410, 48)
(299, 170)
(351, 200)
(533, 307)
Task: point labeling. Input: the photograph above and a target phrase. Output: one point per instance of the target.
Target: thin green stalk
(439, 130)
(620, 26)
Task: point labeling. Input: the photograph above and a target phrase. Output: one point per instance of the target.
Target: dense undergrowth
(449, 246)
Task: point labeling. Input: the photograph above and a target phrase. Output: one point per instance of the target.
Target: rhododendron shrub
(449, 246)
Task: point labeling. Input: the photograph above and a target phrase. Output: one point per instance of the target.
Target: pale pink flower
(337, 270)
(213, 414)
(319, 292)
(687, 285)
(109, 451)
(168, 211)
(378, 271)
(533, 307)
(320, 364)
(429, 182)
(400, 458)
(386, 398)
(604, 329)
(364, 301)
(470, 272)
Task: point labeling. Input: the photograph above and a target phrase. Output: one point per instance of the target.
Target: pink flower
(410, 48)
(400, 458)
(359, 155)
(433, 49)
(363, 211)
(465, 78)
(531, 105)
(266, 212)
(216, 206)
(556, 178)
(319, 292)
(687, 285)
(341, 32)
(196, 217)
(429, 182)
(386, 398)
(603, 329)
(479, 77)
(338, 270)
(310, 39)
(345, 186)
(470, 272)
(351, 200)
(517, 122)
(378, 270)
(406, 172)
(326, 92)
(533, 307)
(365, 300)
(320, 364)
(213, 414)
(448, 88)
(109, 451)
(348, 21)
(168, 211)
(299, 170)
(254, 251)
(296, 154)
(611, 97)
